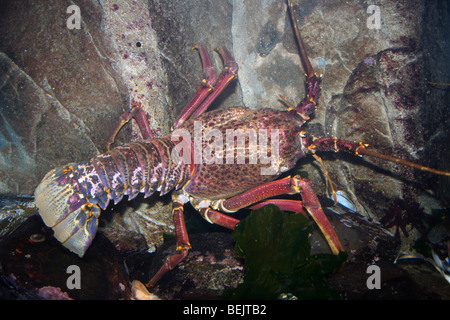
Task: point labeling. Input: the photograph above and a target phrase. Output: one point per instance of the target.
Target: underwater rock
(34, 265)
(140, 219)
(365, 242)
(211, 267)
(63, 91)
(395, 283)
(13, 212)
(60, 94)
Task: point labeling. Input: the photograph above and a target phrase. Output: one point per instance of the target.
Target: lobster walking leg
(226, 221)
(206, 86)
(312, 204)
(183, 244)
(288, 185)
(210, 87)
(252, 196)
(218, 218)
(137, 113)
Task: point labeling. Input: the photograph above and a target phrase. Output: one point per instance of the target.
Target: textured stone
(60, 95)
(63, 91)
(34, 265)
(211, 267)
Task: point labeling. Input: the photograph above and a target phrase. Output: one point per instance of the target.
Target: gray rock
(62, 91)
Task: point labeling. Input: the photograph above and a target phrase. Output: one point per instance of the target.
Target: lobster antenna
(303, 55)
(363, 150)
(287, 102)
(438, 83)
(327, 175)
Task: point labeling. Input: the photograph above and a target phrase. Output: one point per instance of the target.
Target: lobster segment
(168, 168)
(149, 158)
(102, 168)
(115, 179)
(133, 169)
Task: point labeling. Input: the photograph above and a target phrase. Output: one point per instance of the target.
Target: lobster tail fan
(70, 198)
(73, 219)
(51, 198)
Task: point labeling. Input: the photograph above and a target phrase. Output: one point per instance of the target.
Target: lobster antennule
(73, 219)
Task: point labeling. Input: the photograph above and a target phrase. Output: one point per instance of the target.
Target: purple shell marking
(70, 198)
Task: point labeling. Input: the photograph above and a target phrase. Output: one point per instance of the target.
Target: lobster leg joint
(183, 245)
(312, 205)
(216, 217)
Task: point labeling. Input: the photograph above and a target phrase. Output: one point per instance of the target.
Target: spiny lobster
(70, 198)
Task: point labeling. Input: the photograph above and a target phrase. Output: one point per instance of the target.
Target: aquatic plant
(402, 213)
(278, 258)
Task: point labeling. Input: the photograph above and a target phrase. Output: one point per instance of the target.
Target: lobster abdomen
(70, 198)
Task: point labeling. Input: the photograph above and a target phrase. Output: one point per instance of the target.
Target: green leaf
(277, 254)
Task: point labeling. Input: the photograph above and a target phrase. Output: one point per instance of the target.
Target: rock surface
(374, 81)
(33, 265)
(62, 91)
